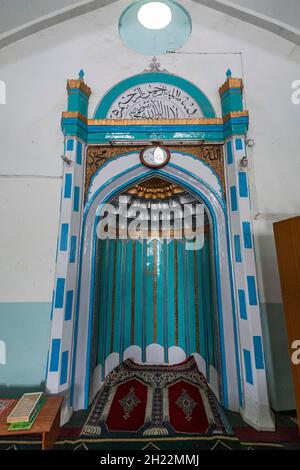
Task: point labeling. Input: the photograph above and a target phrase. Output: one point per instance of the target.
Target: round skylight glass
(155, 28)
(155, 15)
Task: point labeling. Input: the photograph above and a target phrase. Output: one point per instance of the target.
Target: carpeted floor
(166, 421)
(245, 438)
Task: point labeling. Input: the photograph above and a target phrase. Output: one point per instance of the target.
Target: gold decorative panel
(97, 155)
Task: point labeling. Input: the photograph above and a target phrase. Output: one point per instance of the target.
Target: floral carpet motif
(156, 400)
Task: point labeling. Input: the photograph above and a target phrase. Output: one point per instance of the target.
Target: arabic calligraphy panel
(154, 101)
(97, 155)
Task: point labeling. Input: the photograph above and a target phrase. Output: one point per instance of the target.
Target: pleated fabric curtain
(154, 292)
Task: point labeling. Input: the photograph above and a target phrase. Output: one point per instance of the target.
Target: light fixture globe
(155, 15)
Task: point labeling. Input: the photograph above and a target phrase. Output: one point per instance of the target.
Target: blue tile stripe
(54, 355)
(68, 186)
(242, 304)
(79, 153)
(252, 290)
(233, 197)
(69, 305)
(64, 237)
(59, 292)
(243, 187)
(248, 366)
(258, 352)
(238, 144)
(52, 305)
(247, 235)
(237, 248)
(70, 144)
(76, 198)
(229, 153)
(73, 248)
(64, 367)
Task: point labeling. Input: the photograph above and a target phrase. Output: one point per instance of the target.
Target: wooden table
(47, 423)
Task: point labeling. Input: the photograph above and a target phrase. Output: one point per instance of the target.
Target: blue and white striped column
(64, 295)
(255, 410)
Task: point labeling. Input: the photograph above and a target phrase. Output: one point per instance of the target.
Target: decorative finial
(154, 66)
(228, 73)
(81, 75)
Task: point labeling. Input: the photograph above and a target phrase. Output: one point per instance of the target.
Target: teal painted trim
(205, 312)
(68, 186)
(237, 248)
(239, 144)
(128, 293)
(59, 292)
(201, 311)
(118, 299)
(78, 102)
(149, 268)
(248, 366)
(229, 152)
(144, 290)
(235, 126)
(247, 235)
(105, 308)
(70, 145)
(181, 296)
(170, 293)
(166, 288)
(76, 198)
(243, 185)
(160, 295)
(242, 304)
(69, 305)
(25, 330)
(138, 303)
(55, 349)
(258, 352)
(64, 367)
(64, 236)
(191, 304)
(73, 243)
(251, 283)
(123, 296)
(187, 277)
(108, 99)
(233, 199)
(93, 134)
(74, 127)
(109, 296)
(79, 153)
(231, 100)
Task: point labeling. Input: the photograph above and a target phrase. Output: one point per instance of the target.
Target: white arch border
(110, 179)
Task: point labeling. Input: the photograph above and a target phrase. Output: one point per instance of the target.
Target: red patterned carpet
(156, 400)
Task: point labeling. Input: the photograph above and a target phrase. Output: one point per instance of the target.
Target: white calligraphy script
(154, 101)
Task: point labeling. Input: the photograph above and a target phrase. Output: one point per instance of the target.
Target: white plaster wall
(29, 210)
(35, 71)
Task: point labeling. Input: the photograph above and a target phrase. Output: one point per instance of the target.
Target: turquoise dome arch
(154, 77)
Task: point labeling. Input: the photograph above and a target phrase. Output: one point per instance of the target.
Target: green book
(25, 426)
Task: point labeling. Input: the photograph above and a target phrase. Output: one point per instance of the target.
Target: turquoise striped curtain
(154, 292)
